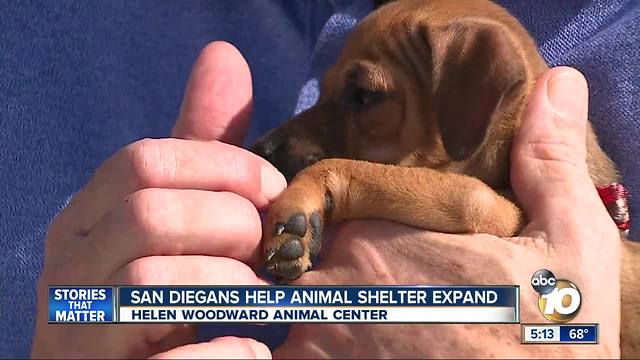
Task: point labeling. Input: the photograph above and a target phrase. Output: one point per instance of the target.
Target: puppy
(414, 124)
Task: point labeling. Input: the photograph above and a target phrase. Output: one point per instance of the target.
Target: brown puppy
(414, 124)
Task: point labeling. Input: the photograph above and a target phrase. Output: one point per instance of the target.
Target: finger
(185, 270)
(176, 164)
(217, 100)
(549, 170)
(141, 340)
(168, 222)
(227, 347)
(168, 271)
(180, 270)
(549, 157)
(110, 341)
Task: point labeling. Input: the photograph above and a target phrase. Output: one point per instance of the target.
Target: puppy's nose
(265, 148)
(270, 149)
(276, 150)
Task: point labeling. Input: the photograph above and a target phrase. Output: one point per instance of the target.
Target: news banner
(311, 304)
(277, 304)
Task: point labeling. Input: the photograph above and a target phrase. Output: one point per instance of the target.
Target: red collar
(614, 197)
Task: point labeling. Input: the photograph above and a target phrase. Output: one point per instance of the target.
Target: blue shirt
(80, 79)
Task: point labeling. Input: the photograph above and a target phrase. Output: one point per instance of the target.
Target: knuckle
(552, 150)
(148, 271)
(252, 233)
(556, 153)
(240, 167)
(153, 213)
(243, 209)
(152, 161)
(556, 162)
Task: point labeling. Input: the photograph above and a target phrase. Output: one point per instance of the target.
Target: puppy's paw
(295, 238)
(292, 232)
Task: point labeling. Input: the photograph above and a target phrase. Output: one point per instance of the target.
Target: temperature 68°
(578, 334)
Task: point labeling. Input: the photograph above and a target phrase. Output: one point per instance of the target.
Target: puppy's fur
(414, 124)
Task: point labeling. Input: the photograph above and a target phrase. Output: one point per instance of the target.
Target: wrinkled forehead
(382, 30)
(375, 30)
(375, 40)
(399, 33)
(402, 17)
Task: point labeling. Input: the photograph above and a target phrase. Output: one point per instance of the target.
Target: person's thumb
(217, 100)
(549, 171)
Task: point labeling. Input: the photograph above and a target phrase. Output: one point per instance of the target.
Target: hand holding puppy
(162, 234)
(569, 232)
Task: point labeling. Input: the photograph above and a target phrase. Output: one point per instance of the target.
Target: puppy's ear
(475, 68)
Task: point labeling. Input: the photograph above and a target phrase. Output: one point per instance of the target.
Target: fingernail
(260, 350)
(273, 182)
(567, 94)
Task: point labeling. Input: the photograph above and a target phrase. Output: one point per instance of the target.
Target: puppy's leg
(337, 189)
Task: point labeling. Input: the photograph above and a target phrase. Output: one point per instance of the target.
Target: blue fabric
(80, 79)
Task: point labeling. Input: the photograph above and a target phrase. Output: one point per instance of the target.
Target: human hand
(570, 233)
(165, 212)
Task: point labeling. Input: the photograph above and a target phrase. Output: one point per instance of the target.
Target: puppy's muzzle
(307, 138)
(283, 152)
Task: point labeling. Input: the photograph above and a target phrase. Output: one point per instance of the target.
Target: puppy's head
(418, 83)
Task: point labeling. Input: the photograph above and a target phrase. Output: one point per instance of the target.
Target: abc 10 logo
(559, 300)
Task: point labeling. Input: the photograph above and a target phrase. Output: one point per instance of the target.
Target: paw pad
(294, 242)
(297, 225)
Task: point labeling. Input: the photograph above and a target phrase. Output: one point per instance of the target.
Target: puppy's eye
(360, 98)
